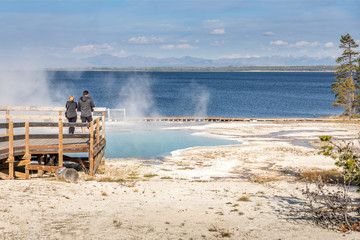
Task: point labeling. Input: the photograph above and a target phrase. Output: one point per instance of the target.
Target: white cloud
(329, 44)
(145, 40)
(197, 41)
(268, 33)
(213, 23)
(279, 43)
(235, 55)
(120, 53)
(92, 48)
(218, 31)
(183, 41)
(178, 46)
(305, 44)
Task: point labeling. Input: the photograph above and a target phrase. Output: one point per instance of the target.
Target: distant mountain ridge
(107, 60)
(134, 61)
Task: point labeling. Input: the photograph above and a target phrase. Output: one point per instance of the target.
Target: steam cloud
(195, 99)
(27, 88)
(138, 99)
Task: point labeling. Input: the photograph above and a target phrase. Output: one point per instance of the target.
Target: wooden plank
(42, 168)
(44, 136)
(60, 143)
(42, 109)
(57, 146)
(91, 148)
(11, 150)
(53, 136)
(27, 155)
(44, 146)
(98, 160)
(5, 176)
(6, 150)
(76, 124)
(22, 163)
(19, 125)
(97, 130)
(103, 124)
(45, 117)
(98, 149)
(20, 175)
(19, 137)
(43, 124)
(76, 136)
(4, 138)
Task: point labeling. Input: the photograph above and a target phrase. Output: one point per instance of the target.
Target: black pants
(72, 129)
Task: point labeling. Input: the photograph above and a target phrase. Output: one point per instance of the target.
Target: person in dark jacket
(85, 106)
(70, 113)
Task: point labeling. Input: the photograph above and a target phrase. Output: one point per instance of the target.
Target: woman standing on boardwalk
(70, 113)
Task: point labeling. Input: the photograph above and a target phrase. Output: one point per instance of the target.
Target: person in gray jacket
(70, 113)
(85, 106)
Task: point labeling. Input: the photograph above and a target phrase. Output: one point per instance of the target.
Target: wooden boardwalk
(38, 147)
(218, 119)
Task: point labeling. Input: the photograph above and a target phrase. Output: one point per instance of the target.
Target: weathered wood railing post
(10, 159)
(27, 155)
(103, 124)
(98, 130)
(60, 150)
(91, 148)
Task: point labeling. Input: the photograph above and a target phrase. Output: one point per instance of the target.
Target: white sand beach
(245, 191)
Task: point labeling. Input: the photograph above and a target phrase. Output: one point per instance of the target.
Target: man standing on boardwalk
(85, 106)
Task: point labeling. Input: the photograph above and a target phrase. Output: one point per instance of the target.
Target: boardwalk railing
(22, 143)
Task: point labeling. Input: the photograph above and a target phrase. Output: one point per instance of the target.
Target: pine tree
(346, 87)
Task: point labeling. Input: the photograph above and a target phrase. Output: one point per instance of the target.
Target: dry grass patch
(186, 168)
(150, 175)
(114, 174)
(328, 176)
(244, 198)
(222, 232)
(166, 177)
(265, 179)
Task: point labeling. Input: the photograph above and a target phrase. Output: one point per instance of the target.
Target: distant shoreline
(325, 68)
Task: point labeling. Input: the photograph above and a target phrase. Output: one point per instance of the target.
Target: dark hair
(86, 92)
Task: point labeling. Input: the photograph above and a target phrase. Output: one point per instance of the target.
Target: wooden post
(98, 130)
(11, 150)
(27, 155)
(103, 124)
(91, 148)
(60, 151)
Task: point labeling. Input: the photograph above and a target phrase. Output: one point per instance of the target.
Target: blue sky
(210, 29)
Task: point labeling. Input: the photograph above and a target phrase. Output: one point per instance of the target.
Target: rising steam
(26, 88)
(137, 97)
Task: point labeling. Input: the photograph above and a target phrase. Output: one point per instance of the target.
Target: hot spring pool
(155, 144)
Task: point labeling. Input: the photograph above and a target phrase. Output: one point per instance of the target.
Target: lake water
(216, 94)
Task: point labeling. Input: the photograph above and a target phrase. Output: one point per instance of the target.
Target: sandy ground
(245, 191)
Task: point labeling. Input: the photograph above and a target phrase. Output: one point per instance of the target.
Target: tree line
(317, 68)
